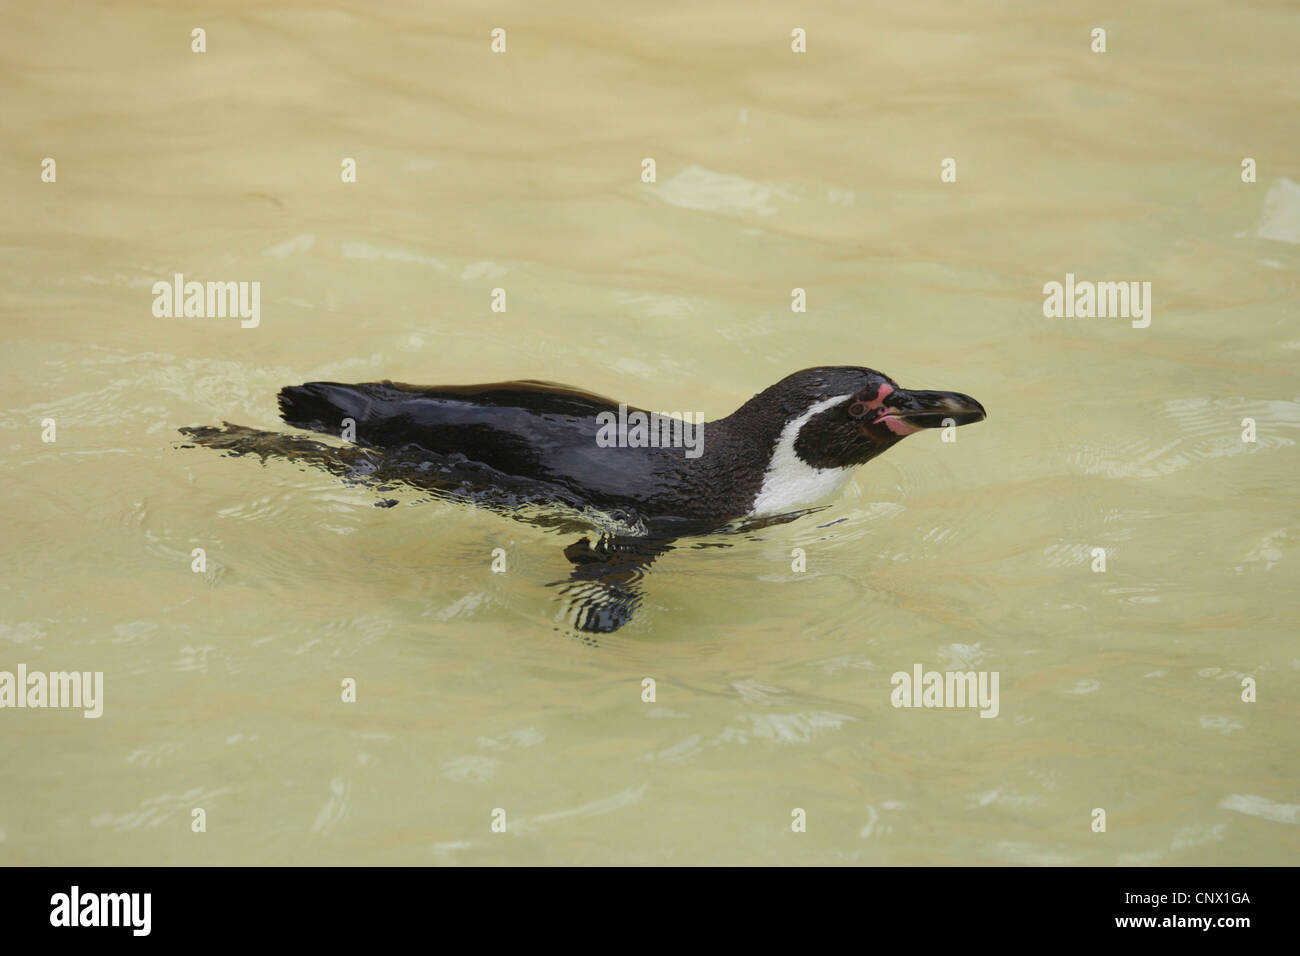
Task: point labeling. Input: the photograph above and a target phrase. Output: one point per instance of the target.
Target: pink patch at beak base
(882, 393)
(897, 425)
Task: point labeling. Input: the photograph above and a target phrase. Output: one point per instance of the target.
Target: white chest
(790, 483)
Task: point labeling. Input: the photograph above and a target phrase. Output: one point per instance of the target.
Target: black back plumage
(535, 432)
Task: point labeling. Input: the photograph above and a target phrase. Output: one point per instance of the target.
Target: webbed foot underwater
(509, 445)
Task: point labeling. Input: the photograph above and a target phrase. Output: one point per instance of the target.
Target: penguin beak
(907, 411)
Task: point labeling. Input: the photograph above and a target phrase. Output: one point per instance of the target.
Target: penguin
(566, 458)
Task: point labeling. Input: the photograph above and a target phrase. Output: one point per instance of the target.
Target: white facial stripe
(790, 482)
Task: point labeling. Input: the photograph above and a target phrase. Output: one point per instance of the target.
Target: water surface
(1118, 690)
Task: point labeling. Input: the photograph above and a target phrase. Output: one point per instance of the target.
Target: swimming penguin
(512, 444)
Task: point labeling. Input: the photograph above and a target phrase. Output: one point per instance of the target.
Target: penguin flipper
(603, 589)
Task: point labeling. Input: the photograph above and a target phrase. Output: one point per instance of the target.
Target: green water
(1119, 690)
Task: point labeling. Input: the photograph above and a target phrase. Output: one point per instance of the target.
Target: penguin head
(843, 416)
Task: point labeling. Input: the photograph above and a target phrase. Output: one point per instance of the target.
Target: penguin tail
(322, 406)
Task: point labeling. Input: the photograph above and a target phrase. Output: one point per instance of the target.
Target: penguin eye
(858, 409)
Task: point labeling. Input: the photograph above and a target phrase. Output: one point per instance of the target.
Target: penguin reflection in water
(536, 451)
